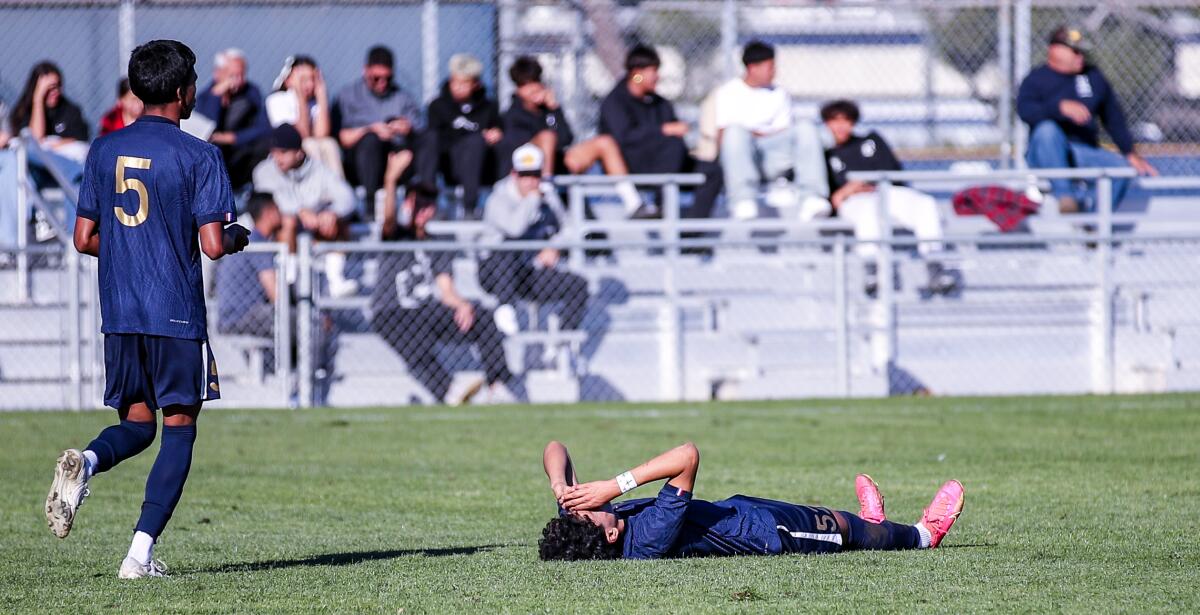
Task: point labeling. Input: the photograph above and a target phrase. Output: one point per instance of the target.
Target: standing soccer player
(148, 192)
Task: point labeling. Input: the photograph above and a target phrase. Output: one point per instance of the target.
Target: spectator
(380, 125)
(1061, 101)
(236, 106)
(518, 210)
(52, 119)
(858, 202)
(760, 141)
(58, 126)
(649, 133)
(415, 305)
(535, 117)
(301, 99)
(464, 126)
(127, 109)
(8, 184)
(311, 197)
(246, 286)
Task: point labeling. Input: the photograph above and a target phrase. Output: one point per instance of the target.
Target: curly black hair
(572, 538)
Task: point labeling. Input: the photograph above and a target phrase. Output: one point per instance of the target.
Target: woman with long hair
(52, 119)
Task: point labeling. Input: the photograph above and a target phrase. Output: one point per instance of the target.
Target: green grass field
(1073, 504)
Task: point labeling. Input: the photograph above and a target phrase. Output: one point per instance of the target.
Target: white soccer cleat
(133, 569)
(66, 492)
(463, 390)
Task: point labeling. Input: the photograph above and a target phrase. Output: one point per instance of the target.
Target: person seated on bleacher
(1061, 101)
(124, 112)
(380, 125)
(464, 127)
(312, 197)
(858, 202)
(415, 305)
(236, 106)
(649, 133)
(535, 117)
(246, 286)
(302, 100)
(519, 210)
(761, 142)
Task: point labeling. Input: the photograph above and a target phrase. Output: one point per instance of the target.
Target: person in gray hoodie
(520, 210)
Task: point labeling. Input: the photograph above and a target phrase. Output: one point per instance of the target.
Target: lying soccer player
(675, 525)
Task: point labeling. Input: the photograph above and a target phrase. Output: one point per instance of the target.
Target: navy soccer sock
(164, 486)
(120, 442)
(880, 536)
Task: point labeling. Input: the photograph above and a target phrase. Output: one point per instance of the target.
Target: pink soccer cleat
(869, 499)
(945, 508)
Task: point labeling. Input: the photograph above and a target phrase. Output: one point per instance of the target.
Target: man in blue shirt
(1061, 101)
(153, 198)
(676, 525)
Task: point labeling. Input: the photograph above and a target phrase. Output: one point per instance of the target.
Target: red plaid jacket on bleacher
(1006, 208)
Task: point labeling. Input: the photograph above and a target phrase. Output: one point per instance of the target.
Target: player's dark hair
(23, 110)
(525, 69)
(158, 70)
(122, 87)
(757, 51)
(572, 538)
(840, 108)
(380, 56)
(258, 203)
(642, 56)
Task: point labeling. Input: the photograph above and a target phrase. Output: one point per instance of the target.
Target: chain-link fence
(777, 317)
(937, 77)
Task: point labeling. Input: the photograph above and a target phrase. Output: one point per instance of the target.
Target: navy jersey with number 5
(149, 188)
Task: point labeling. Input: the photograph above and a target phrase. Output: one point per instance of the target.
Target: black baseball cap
(1071, 36)
(285, 136)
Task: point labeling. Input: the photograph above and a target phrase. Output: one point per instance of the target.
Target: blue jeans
(8, 198)
(748, 160)
(1050, 149)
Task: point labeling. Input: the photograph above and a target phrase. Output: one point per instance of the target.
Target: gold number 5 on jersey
(136, 185)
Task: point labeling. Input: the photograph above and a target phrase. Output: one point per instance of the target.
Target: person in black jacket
(649, 133)
(464, 127)
(535, 117)
(1061, 101)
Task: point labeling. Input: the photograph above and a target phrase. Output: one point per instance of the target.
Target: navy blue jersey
(150, 187)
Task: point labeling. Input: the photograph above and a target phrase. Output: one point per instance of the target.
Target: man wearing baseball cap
(520, 208)
(1061, 102)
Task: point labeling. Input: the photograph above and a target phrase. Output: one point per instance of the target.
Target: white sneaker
(341, 287)
(462, 390)
(505, 317)
(133, 569)
(744, 210)
(66, 492)
(782, 195)
(498, 393)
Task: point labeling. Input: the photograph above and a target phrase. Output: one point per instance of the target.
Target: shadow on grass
(346, 559)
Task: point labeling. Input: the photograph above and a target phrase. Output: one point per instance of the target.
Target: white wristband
(626, 482)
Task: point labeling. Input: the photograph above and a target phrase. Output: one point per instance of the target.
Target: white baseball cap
(528, 159)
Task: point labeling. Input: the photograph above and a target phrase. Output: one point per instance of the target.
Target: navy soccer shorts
(161, 371)
(803, 529)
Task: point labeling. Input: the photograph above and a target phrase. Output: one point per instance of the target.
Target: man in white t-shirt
(760, 142)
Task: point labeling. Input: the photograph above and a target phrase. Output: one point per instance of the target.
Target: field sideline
(1073, 504)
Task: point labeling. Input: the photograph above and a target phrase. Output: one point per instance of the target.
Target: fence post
(842, 332)
(1105, 327)
(506, 24)
(884, 275)
(283, 328)
(671, 334)
(576, 205)
(22, 221)
(429, 50)
(1004, 53)
(671, 216)
(74, 341)
(304, 321)
(729, 39)
(1022, 56)
(126, 34)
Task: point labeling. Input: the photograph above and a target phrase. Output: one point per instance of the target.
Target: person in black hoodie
(464, 128)
(648, 132)
(535, 117)
(1061, 101)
